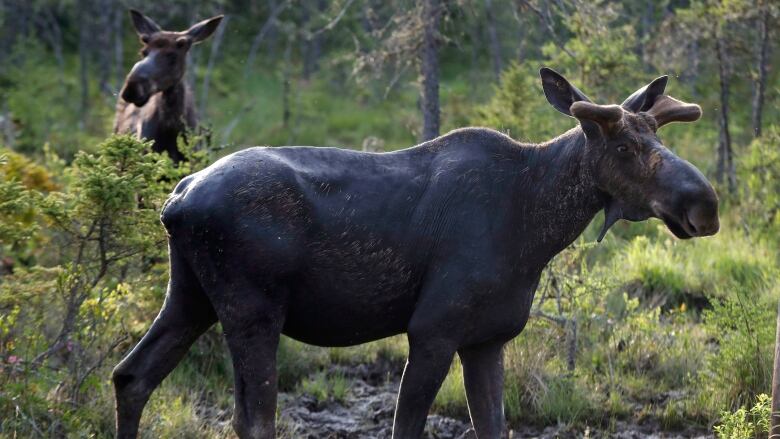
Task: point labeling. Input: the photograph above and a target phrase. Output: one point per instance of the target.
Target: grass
(325, 386)
(681, 271)
(451, 399)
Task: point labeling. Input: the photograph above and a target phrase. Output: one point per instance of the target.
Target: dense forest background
(641, 330)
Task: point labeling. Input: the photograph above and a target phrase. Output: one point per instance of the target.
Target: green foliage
(759, 170)
(451, 399)
(743, 326)
(517, 106)
(744, 423)
(64, 317)
(17, 206)
(600, 57)
(44, 100)
(324, 387)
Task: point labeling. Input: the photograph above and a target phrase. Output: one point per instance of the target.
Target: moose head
(164, 56)
(638, 176)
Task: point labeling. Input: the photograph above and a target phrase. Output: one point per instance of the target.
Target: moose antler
(604, 115)
(667, 109)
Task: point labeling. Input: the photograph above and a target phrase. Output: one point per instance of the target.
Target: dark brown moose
(444, 241)
(155, 102)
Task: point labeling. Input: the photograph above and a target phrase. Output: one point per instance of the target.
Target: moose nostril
(703, 219)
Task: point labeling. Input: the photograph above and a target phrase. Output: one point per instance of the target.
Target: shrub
(64, 318)
(744, 423)
(740, 367)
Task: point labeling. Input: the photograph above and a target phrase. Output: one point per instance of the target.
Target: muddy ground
(367, 413)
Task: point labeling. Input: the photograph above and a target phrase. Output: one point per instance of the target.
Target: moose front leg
(483, 377)
(427, 366)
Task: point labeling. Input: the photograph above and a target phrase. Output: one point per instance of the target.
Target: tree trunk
(695, 63)
(286, 83)
(272, 34)
(83, 61)
(429, 69)
(51, 31)
(774, 430)
(312, 44)
(645, 31)
(521, 35)
(104, 52)
(267, 27)
(213, 55)
(119, 56)
(759, 88)
(495, 44)
(472, 24)
(725, 168)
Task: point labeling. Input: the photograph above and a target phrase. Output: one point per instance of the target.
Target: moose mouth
(680, 227)
(136, 94)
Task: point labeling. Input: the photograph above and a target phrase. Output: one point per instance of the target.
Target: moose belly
(344, 308)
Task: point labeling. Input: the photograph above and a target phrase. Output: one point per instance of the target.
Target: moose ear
(559, 92)
(667, 109)
(644, 98)
(144, 25)
(200, 31)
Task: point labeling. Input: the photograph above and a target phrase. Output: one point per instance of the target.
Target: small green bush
(744, 423)
(740, 367)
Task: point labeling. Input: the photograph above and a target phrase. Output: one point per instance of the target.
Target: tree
(429, 68)
(720, 25)
(725, 151)
(495, 43)
(410, 40)
(762, 44)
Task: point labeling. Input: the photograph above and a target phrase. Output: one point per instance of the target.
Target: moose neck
(564, 196)
(173, 102)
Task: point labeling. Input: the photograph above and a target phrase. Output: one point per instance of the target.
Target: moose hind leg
(252, 329)
(483, 377)
(184, 316)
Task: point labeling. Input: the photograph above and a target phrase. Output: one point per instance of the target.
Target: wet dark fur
(444, 241)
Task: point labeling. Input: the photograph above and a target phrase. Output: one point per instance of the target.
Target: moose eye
(622, 149)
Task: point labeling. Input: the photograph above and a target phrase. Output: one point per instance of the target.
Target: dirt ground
(367, 413)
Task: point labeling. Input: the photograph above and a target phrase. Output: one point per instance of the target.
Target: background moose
(155, 102)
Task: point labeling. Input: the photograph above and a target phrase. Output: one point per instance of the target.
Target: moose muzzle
(688, 203)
